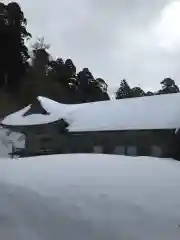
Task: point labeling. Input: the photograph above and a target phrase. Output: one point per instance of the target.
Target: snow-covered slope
(154, 112)
(89, 197)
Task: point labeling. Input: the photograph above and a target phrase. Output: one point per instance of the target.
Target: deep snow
(89, 197)
(154, 112)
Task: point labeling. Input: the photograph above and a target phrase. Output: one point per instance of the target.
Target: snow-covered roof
(154, 112)
(18, 118)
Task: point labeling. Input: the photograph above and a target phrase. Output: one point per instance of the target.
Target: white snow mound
(89, 197)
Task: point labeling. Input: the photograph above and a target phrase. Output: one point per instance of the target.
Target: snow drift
(89, 197)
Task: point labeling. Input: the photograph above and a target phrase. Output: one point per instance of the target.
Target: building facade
(136, 127)
(49, 138)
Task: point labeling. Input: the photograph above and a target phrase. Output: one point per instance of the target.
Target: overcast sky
(134, 39)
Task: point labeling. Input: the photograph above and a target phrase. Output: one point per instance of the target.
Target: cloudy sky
(134, 39)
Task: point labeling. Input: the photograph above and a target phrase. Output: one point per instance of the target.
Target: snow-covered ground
(89, 197)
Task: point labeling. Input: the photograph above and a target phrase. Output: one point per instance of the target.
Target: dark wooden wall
(85, 142)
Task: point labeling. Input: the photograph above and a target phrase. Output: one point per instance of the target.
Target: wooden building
(144, 126)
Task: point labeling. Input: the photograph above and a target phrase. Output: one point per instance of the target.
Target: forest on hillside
(27, 73)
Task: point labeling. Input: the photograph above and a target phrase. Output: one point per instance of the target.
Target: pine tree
(124, 90)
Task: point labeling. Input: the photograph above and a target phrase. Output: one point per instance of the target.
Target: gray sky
(134, 39)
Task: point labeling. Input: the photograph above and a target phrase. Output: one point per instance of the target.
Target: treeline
(168, 85)
(28, 73)
(60, 79)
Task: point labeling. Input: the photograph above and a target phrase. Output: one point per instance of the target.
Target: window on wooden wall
(98, 149)
(156, 151)
(131, 151)
(120, 150)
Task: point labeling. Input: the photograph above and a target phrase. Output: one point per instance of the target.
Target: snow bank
(155, 112)
(89, 197)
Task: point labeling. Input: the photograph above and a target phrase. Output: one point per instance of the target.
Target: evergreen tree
(168, 86)
(44, 75)
(91, 89)
(149, 93)
(40, 59)
(14, 53)
(3, 44)
(17, 52)
(138, 92)
(124, 90)
(102, 84)
(56, 69)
